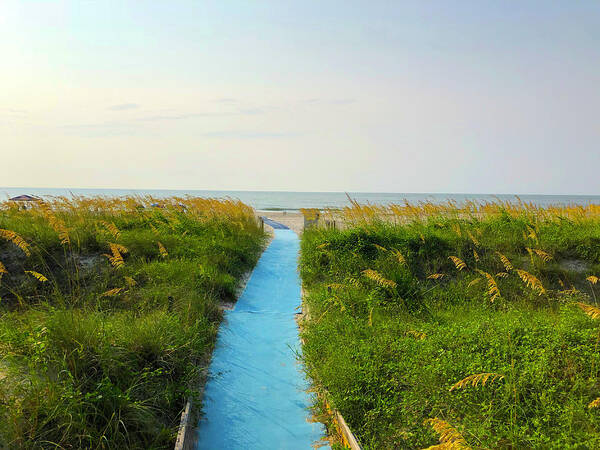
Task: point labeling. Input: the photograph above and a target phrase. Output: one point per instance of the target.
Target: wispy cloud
(233, 134)
(241, 112)
(331, 101)
(112, 129)
(134, 125)
(183, 116)
(251, 111)
(14, 113)
(226, 100)
(103, 129)
(342, 101)
(124, 107)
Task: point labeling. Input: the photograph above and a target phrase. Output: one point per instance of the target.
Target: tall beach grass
(108, 314)
(467, 326)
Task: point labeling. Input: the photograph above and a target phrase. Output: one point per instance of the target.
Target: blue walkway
(275, 225)
(256, 396)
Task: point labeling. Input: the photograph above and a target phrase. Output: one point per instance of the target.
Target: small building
(25, 201)
(25, 198)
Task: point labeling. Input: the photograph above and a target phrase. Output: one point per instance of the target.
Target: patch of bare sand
(292, 220)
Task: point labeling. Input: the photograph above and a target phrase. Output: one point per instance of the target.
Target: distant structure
(25, 201)
(25, 198)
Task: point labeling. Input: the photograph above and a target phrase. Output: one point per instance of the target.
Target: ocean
(293, 201)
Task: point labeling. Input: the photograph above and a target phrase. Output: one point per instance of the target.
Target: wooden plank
(186, 437)
(349, 439)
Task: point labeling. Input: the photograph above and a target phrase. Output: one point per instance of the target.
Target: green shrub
(387, 355)
(101, 356)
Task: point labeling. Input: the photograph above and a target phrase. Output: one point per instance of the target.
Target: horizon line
(299, 192)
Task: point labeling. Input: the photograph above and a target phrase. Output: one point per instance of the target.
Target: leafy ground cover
(108, 313)
(451, 327)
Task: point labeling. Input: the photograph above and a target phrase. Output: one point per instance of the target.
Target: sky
(364, 96)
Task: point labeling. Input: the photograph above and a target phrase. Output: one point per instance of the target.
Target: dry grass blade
(545, 256)
(530, 251)
(416, 334)
(380, 248)
(112, 292)
(477, 379)
(592, 311)
(355, 282)
(61, 230)
(120, 247)
(474, 282)
(593, 279)
(310, 213)
(38, 276)
(493, 290)
(399, 256)
(594, 403)
(378, 278)
(531, 281)
(475, 241)
(63, 235)
(57, 225)
(446, 446)
(13, 237)
(572, 291)
(116, 259)
(531, 233)
(449, 437)
(475, 255)
(162, 250)
(505, 261)
(456, 229)
(436, 276)
(130, 281)
(459, 263)
(112, 229)
(2, 268)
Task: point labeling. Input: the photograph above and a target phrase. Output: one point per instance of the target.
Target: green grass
(83, 369)
(387, 356)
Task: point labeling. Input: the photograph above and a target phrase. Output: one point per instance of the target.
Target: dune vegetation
(108, 314)
(446, 326)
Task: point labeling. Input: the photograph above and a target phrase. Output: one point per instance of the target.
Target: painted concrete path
(256, 396)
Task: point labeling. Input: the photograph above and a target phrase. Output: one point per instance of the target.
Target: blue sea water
(292, 201)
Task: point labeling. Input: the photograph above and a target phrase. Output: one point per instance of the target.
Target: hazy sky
(394, 96)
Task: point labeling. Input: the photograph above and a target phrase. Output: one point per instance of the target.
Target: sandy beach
(292, 220)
